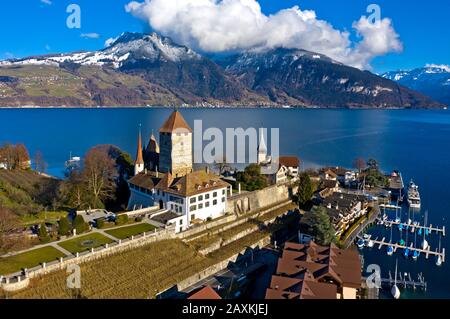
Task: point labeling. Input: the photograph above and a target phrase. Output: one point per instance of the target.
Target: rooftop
(175, 122)
(191, 184)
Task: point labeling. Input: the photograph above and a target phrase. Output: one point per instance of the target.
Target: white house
(189, 196)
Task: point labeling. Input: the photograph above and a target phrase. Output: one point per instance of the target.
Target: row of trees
(14, 156)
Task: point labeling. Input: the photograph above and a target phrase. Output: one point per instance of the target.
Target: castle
(164, 177)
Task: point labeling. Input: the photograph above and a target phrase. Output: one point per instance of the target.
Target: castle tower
(175, 138)
(262, 148)
(151, 155)
(139, 162)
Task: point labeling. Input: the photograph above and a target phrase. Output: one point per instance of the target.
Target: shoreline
(222, 107)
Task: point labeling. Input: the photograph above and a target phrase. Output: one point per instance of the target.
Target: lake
(416, 142)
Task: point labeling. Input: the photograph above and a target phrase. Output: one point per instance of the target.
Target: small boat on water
(438, 261)
(398, 220)
(400, 227)
(394, 290)
(414, 196)
(360, 243)
(406, 252)
(415, 255)
(425, 244)
(370, 244)
(420, 232)
(390, 250)
(401, 242)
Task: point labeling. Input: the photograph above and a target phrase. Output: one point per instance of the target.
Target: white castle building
(164, 176)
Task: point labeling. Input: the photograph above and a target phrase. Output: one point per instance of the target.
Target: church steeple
(139, 162)
(262, 148)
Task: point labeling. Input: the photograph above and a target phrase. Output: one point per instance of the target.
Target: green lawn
(125, 232)
(86, 242)
(28, 260)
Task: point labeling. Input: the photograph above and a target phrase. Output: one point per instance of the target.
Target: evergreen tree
(43, 234)
(305, 190)
(64, 227)
(319, 221)
(80, 225)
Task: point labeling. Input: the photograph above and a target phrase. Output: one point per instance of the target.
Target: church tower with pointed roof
(175, 137)
(139, 162)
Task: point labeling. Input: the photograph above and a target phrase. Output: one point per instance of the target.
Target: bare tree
(360, 164)
(8, 225)
(99, 173)
(40, 165)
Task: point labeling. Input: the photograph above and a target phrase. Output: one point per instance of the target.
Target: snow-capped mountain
(127, 48)
(292, 76)
(432, 80)
(149, 69)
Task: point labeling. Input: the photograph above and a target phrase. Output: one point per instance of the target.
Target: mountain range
(432, 80)
(152, 70)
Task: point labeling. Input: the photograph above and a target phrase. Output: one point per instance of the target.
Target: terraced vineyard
(144, 272)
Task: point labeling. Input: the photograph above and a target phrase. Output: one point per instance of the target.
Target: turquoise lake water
(415, 142)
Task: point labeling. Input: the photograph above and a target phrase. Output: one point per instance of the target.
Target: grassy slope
(26, 192)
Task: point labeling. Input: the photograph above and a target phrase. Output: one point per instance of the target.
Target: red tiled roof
(206, 293)
(175, 122)
(289, 161)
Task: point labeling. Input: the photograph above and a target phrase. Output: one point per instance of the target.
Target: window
(193, 208)
(207, 204)
(223, 199)
(181, 222)
(200, 198)
(200, 206)
(193, 200)
(215, 202)
(215, 194)
(223, 192)
(192, 216)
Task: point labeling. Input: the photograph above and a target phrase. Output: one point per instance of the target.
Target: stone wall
(219, 266)
(252, 201)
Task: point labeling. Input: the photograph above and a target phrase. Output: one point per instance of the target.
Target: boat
(400, 227)
(438, 261)
(360, 243)
(415, 255)
(425, 244)
(401, 242)
(406, 252)
(370, 244)
(398, 220)
(394, 290)
(413, 196)
(420, 232)
(439, 258)
(390, 250)
(73, 162)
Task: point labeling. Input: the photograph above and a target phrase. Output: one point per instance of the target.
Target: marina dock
(430, 228)
(427, 252)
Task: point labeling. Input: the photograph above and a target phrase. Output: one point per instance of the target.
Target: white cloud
(49, 2)
(226, 25)
(90, 35)
(439, 66)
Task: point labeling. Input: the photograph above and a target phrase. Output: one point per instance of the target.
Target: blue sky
(32, 27)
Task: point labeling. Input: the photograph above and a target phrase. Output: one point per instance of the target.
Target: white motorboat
(394, 290)
(414, 196)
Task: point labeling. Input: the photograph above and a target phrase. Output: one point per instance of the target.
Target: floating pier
(389, 206)
(405, 281)
(427, 252)
(430, 228)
